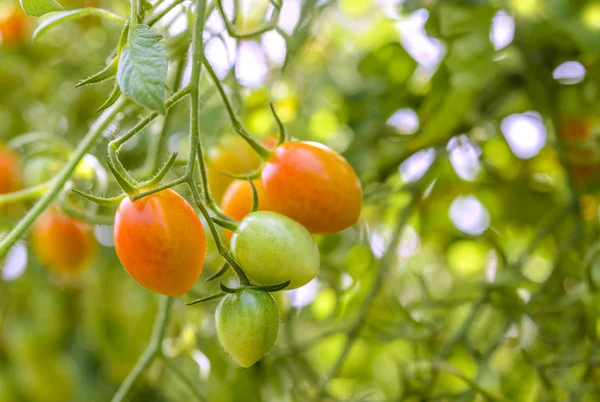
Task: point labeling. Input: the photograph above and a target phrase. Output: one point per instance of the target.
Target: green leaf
(37, 8)
(143, 68)
(112, 98)
(70, 15)
(107, 72)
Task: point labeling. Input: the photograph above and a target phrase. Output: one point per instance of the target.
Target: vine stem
(84, 146)
(153, 350)
(384, 264)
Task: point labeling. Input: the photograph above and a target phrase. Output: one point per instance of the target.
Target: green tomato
(247, 325)
(272, 248)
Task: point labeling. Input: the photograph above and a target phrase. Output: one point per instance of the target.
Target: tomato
(231, 155)
(13, 27)
(313, 185)
(62, 243)
(160, 242)
(9, 171)
(272, 249)
(247, 325)
(237, 200)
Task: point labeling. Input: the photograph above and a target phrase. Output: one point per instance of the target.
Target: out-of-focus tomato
(9, 171)
(13, 27)
(313, 185)
(160, 242)
(237, 200)
(62, 243)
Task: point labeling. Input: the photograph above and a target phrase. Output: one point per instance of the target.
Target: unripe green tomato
(272, 248)
(247, 325)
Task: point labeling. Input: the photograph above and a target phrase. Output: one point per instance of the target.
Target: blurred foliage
(492, 292)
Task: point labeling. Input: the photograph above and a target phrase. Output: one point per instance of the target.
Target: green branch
(84, 146)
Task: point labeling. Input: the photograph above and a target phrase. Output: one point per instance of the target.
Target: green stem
(84, 146)
(25, 194)
(235, 120)
(153, 350)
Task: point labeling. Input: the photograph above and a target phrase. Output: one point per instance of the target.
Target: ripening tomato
(160, 242)
(272, 248)
(237, 200)
(9, 171)
(247, 325)
(231, 155)
(62, 243)
(313, 185)
(13, 27)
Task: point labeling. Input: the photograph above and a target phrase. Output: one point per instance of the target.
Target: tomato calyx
(267, 288)
(255, 174)
(225, 290)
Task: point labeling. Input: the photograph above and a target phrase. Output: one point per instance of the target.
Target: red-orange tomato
(160, 242)
(61, 243)
(313, 185)
(9, 171)
(237, 200)
(13, 27)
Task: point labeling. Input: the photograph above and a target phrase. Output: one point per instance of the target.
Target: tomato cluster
(304, 188)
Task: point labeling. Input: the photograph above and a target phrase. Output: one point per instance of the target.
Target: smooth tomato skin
(313, 185)
(272, 248)
(237, 200)
(247, 325)
(62, 243)
(9, 171)
(231, 155)
(160, 242)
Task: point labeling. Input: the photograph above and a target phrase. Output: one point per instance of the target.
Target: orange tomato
(13, 27)
(160, 242)
(313, 185)
(62, 243)
(237, 200)
(9, 171)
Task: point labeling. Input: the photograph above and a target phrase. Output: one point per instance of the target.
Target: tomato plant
(272, 248)
(160, 242)
(237, 200)
(61, 243)
(313, 185)
(247, 325)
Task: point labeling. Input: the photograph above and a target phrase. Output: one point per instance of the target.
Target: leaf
(143, 68)
(70, 15)
(37, 8)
